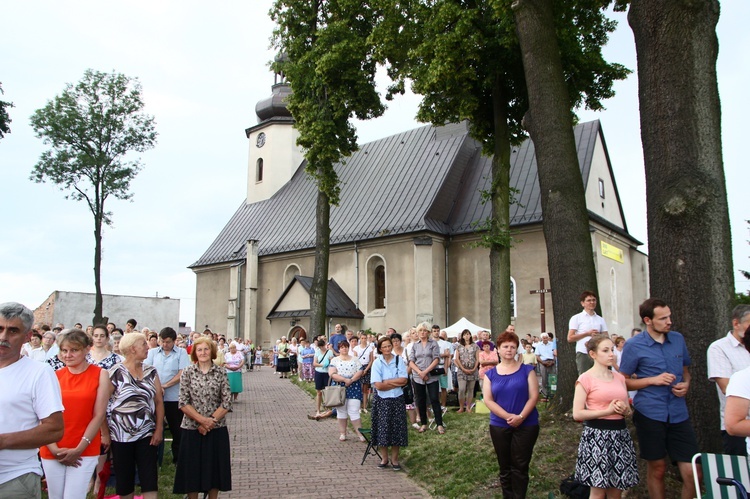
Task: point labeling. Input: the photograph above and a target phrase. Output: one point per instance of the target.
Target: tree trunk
(98, 305)
(689, 242)
(319, 287)
(570, 257)
(500, 223)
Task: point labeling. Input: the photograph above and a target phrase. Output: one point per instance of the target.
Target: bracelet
(86, 439)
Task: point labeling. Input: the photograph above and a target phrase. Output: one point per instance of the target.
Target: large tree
(4, 116)
(689, 242)
(330, 68)
(90, 128)
(549, 122)
(464, 58)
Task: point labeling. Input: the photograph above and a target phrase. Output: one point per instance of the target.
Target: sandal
(441, 430)
(415, 426)
(342, 437)
(422, 429)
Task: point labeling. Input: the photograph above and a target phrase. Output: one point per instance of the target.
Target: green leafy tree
(90, 128)
(550, 124)
(465, 60)
(677, 47)
(4, 116)
(331, 70)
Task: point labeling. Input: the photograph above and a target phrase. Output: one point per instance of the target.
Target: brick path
(277, 451)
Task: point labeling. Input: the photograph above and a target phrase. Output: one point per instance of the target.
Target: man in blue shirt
(338, 337)
(169, 361)
(659, 359)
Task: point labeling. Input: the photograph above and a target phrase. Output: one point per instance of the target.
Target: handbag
(334, 395)
(438, 371)
(407, 388)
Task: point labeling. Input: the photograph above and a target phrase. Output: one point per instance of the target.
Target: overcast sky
(203, 67)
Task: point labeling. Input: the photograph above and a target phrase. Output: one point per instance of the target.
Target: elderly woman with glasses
(388, 408)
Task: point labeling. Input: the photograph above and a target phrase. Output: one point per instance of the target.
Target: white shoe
(342, 437)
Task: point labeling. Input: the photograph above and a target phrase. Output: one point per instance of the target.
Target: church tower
(273, 154)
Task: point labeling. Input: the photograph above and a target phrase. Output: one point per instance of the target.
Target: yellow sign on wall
(612, 252)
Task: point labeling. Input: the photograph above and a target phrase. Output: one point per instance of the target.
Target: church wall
(470, 284)
(271, 283)
(398, 257)
(211, 292)
(607, 207)
(468, 275)
(639, 266)
(618, 298)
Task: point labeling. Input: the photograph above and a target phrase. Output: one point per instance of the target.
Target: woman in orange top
(70, 463)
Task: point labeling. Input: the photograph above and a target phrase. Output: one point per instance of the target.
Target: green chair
(724, 476)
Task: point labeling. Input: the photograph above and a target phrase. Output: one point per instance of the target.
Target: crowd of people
(112, 392)
(100, 397)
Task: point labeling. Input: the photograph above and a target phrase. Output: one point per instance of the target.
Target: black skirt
(204, 462)
(282, 365)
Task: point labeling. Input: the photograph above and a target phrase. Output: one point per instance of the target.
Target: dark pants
(433, 391)
(733, 445)
(173, 416)
(514, 447)
(129, 455)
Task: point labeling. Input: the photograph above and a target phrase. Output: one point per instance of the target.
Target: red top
(79, 397)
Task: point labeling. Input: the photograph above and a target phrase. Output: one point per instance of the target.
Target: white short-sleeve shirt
(725, 357)
(29, 392)
(585, 322)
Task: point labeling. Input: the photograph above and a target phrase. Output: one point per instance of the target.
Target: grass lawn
(462, 462)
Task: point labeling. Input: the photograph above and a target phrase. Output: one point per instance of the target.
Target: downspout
(356, 274)
(238, 320)
(447, 295)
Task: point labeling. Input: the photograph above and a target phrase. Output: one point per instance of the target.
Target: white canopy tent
(454, 330)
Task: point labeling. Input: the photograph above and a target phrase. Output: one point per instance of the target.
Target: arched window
(376, 283)
(259, 170)
(380, 286)
(513, 311)
(289, 273)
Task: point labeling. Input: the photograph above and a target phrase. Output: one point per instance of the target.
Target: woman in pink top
(606, 456)
(487, 359)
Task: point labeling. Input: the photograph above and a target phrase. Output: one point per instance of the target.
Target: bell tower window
(259, 170)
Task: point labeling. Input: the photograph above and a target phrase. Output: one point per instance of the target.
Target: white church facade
(402, 236)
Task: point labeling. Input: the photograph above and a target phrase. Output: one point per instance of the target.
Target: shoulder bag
(334, 395)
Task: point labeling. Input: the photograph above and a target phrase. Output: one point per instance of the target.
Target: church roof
(338, 303)
(425, 179)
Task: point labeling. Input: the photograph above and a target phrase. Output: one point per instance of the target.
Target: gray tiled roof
(338, 304)
(428, 178)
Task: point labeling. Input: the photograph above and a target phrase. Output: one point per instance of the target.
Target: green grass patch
(462, 463)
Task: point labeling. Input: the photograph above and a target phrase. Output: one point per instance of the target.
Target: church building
(402, 237)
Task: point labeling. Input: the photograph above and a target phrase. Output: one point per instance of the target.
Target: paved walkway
(277, 451)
